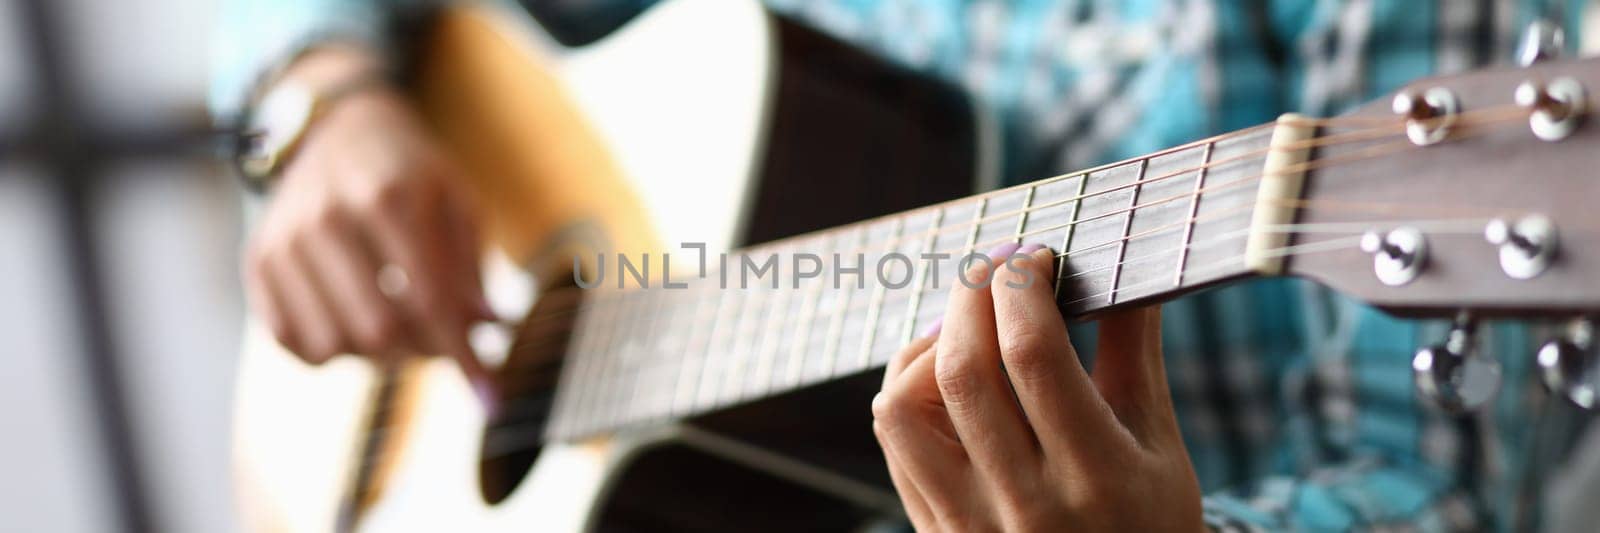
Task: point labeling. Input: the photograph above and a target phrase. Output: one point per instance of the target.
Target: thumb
(1129, 372)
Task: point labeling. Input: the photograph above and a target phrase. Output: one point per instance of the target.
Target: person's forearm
(323, 68)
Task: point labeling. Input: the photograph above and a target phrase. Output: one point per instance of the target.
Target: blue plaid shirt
(1297, 405)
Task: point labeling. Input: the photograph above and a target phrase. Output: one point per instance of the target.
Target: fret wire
(972, 234)
(1121, 164)
(1194, 207)
(1022, 219)
(830, 347)
(600, 358)
(696, 299)
(643, 381)
(1127, 226)
(808, 313)
(753, 308)
(1072, 228)
(627, 355)
(568, 387)
(769, 337)
(709, 302)
(663, 356)
(587, 359)
(876, 307)
(604, 371)
(634, 352)
(617, 371)
(1085, 173)
(922, 279)
(706, 397)
(1122, 254)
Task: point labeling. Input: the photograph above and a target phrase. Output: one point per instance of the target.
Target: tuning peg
(1398, 256)
(1568, 364)
(1526, 247)
(1541, 40)
(1428, 115)
(1452, 374)
(1554, 109)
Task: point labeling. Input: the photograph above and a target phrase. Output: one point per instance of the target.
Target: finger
(309, 313)
(918, 347)
(347, 271)
(1130, 374)
(266, 301)
(452, 319)
(910, 419)
(462, 232)
(910, 497)
(407, 233)
(982, 406)
(1051, 386)
(478, 377)
(399, 228)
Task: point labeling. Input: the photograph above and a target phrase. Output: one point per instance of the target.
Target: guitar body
(701, 121)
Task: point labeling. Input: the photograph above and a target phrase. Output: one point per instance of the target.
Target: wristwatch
(275, 125)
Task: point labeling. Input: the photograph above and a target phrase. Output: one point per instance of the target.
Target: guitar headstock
(1477, 193)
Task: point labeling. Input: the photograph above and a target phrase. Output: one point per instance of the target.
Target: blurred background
(119, 236)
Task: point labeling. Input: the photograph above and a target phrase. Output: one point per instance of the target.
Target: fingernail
(1003, 251)
(933, 329)
(486, 397)
(1030, 248)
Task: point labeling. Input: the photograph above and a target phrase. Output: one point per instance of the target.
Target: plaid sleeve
(1363, 494)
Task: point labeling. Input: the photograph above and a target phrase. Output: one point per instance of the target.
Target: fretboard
(1136, 231)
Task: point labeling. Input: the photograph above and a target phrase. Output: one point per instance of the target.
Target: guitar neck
(795, 312)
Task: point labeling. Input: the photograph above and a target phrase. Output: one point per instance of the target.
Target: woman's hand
(369, 244)
(1038, 444)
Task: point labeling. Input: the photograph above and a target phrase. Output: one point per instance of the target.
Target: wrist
(324, 68)
(287, 107)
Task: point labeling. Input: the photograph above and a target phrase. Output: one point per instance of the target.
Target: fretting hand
(1038, 445)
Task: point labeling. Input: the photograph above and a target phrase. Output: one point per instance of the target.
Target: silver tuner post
(1567, 364)
(1453, 374)
(1542, 40)
(1428, 115)
(1397, 256)
(1527, 246)
(1554, 109)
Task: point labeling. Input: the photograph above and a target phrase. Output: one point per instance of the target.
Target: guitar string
(1311, 164)
(1322, 140)
(1368, 153)
(1433, 226)
(933, 232)
(1494, 115)
(1337, 244)
(1436, 226)
(513, 438)
(1467, 226)
(1116, 288)
(641, 368)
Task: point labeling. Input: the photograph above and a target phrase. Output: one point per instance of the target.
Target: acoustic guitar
(732, 393)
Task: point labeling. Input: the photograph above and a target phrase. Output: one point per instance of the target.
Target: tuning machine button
(1429, 115)
(1453, 374)
(1526, 247)
(1568, 364)
(1397, 256)
(1542, 40)
(1554, 108)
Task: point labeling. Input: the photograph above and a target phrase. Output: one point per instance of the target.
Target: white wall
(169, 232)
